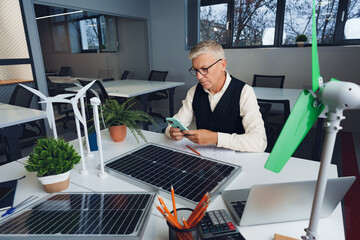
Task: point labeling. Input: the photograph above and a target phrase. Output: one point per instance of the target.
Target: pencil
(173, 201)
(193, 150)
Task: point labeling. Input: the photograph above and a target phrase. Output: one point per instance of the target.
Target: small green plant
(52, 157)
(116, 114)
(102, 46)
(301, 38)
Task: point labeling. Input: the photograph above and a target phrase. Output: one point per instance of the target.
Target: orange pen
(193, 150)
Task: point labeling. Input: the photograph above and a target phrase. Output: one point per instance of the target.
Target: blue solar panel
(82, 215)
(160, 167)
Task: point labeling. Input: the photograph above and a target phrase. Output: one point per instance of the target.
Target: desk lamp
(337, 96)
(61, 98)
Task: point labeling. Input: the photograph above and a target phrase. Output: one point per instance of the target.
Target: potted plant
(119, 116)
(301, 39)
(52, 159)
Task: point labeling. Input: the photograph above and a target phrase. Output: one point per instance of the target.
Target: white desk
(10, 117)
(253, 172)
(278, 94)
(133, 88)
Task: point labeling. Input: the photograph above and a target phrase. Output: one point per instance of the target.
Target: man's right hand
(176, 134)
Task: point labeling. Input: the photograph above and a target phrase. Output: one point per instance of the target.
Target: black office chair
(26, 133)
(65, 71)
(271, 81)
(124, 75)
(272, 126)
(159, 95)
(96, 90)
(64, 109)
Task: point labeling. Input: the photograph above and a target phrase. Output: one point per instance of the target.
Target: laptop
(282, 202)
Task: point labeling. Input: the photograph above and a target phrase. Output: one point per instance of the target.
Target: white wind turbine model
(80, 119)
(61, 98)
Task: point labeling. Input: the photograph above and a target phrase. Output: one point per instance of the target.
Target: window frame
(338, 39)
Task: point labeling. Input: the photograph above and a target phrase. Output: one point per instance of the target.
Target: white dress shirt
(254, 138)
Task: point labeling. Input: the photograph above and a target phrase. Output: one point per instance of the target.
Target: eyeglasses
(202, 71)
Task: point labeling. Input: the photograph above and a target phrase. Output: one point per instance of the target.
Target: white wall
(168, 40)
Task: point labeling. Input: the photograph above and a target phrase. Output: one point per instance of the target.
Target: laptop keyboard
(239, 207)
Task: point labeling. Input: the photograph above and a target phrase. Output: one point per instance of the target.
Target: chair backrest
(270, 81)
(64, 71)
(157, 75)
(124, 75)
(98, 88)
(21, 97)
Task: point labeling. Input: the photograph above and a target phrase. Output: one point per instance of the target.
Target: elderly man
(225, 108)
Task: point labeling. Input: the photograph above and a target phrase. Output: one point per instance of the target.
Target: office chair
(97, 90)
(271, 81)
(62, 108)
(272, 126)
(124, 75)
(27, 132)
(159, 95)
(65, 71)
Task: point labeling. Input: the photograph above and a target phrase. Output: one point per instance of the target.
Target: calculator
(217, 225)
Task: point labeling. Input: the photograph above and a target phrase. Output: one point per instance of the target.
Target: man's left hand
(201, 136)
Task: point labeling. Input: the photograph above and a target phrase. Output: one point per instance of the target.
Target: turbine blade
(49, 114)
(300, 121)
(34, 91)
(314, 54)
(83, 90)
(77, 113)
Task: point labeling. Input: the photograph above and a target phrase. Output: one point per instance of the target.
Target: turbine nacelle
(340, 95)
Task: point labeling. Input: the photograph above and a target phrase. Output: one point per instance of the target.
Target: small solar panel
(88, 215)
(155, 167)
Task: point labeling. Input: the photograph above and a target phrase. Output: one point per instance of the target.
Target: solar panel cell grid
(191, 176)
(82, 214)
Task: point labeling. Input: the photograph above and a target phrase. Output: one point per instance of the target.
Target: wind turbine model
(80, 118)
(61, 98)
(95, 102)
(337, 96)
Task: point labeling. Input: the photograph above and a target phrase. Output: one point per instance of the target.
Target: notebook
(282, 202)
(7, 194)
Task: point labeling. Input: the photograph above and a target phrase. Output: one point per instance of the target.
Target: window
(254, 23)
(352, 24)
(98, 33)
(79, 31)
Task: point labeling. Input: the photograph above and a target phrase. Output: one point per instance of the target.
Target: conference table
(288, 97)
(11, 116)
(253, 172)
(132, 88)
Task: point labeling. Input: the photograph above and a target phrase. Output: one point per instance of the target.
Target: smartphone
(176, 124)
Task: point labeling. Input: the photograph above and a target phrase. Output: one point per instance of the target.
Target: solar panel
(88, 215)
(156, 168)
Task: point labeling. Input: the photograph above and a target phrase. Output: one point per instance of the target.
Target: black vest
(226, 116)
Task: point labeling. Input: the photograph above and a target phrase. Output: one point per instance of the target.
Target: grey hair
(210, 47)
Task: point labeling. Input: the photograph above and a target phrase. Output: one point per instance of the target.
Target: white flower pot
(55, 183)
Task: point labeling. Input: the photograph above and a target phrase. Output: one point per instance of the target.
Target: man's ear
(223, 64)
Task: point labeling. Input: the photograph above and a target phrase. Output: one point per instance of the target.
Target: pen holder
(183, 234)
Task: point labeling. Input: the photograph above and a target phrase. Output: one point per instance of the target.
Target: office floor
(346, 156)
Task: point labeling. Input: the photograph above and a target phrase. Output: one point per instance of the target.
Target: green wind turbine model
(337, 96)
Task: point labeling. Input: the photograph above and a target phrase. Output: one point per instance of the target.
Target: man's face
(214, 80)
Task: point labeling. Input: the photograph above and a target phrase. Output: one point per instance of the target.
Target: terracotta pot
(300, 44)
(55, 183)
(118, 133)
